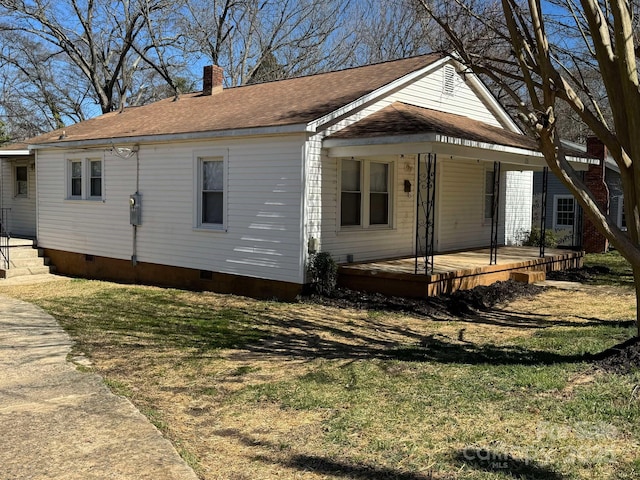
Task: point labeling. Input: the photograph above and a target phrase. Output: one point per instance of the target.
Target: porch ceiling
(407, 129)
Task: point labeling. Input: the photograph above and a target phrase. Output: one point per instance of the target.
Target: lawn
(249, 389)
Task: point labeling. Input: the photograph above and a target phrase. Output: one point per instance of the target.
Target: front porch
(452, 271)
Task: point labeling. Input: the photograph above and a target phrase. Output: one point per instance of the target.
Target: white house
(230, 189)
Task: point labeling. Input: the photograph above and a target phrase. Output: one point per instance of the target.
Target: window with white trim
(563, 211)
(85, 179)
(22, 181)
(365, 193)
(211, 208)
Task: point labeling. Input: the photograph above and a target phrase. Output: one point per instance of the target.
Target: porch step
(26, 260)
(528, 276)
(21, 271)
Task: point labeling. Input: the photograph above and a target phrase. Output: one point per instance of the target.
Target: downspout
(134, 248)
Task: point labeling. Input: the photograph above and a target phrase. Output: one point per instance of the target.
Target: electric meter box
(135, 209)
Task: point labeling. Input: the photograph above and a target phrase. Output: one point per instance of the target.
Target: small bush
(532, 238)
(323, 271)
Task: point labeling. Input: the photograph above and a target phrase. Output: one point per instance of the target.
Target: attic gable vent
(448, 80)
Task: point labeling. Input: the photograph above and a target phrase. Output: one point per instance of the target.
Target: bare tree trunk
(636, 281)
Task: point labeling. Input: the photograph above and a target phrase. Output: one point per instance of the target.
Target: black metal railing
(425, 214)
(495, 214)
(5, 238)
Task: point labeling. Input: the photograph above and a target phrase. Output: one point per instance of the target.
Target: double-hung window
(211, 190)
(85, 179)
(22, 181)
(563, 211)
(365, 193)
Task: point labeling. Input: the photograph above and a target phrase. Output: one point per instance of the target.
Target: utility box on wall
(135, 209)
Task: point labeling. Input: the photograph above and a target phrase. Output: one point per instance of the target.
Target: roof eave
(175, 137)
(437, 143)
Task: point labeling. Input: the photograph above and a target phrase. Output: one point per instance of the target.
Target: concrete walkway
(59, 423)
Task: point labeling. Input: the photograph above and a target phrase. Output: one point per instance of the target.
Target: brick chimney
(593, 241)
(212, 78)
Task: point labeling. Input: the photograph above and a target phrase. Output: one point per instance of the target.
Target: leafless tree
(554, 54)
(390, 29)
(103, 43)
(245, 36)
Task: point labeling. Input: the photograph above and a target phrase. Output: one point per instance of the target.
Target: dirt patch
(623, 358)
(462, 302)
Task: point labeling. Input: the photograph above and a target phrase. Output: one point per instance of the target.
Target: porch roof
(415, 129)
(14, 150)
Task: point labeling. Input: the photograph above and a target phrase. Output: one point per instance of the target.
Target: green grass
(522, 401)
(138, 316)
(619, 270)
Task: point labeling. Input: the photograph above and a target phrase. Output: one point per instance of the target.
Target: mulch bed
(461, 302)
(622, 358)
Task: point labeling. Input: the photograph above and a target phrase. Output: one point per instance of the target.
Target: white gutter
(173, 137)
(419, 141)
(14, 153)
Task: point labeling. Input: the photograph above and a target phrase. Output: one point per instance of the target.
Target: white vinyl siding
(459, 98)
(518, 205)
(322, 218)
(460, 204)
(363, 244)
(263, 231)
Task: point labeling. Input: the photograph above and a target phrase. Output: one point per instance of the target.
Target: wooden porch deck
(453, 271)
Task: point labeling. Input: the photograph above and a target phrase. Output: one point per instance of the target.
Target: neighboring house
(232, 189)
(565, 217)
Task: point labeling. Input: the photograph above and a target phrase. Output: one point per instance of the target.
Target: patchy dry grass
(249, 389)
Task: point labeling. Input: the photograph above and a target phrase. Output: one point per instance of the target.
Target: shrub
(532, 238)
(323, 271)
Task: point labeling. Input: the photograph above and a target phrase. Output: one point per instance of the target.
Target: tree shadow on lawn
(324, 338)
(323, 465)
(504, 463)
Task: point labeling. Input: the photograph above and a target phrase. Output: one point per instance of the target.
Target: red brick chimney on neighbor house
(593, 241)
(212, 78)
